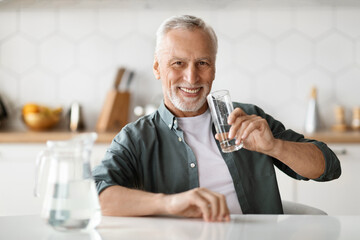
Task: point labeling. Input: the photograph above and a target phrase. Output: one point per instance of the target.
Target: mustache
(189, 85)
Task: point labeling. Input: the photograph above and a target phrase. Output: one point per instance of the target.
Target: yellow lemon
(30, 108)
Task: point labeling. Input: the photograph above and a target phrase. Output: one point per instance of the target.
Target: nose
(191, 74)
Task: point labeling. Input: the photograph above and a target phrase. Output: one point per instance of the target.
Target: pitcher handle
(40, 163)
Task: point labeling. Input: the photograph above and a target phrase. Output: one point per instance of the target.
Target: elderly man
(169, 163)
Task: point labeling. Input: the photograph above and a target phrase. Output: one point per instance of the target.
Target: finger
(256, 123)
(235, 127)
(238, 112)
(239, 125)
(227, 218)
(214, 202)
(202, 203)
(239, 135)
(224, 210)
(242, 126)
(221, 136)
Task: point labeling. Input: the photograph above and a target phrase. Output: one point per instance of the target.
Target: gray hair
(184, 22)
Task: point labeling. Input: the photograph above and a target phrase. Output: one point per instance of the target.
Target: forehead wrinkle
(204, 58)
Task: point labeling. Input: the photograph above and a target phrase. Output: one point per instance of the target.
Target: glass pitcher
(70, 198)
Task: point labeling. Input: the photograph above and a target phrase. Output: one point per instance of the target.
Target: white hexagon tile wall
(58, 52)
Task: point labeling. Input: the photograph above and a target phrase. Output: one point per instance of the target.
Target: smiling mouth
(190, 90)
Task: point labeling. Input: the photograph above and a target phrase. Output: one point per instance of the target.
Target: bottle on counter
(312, 120)
(355, 124)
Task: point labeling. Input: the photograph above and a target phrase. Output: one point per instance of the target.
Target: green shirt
(150, 154)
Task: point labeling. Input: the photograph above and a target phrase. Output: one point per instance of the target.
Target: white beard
(185, 105)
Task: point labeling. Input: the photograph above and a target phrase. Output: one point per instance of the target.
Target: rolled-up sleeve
(118, 164)
(332, 163)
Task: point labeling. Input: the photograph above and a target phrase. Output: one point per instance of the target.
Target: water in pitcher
(70, 198)
(74, 205)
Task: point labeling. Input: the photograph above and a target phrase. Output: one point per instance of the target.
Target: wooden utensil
(115, 112)
(340, 123)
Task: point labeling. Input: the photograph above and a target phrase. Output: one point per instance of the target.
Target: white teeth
(190, 90)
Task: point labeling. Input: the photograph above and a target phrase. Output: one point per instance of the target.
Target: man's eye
(202, 63)
(178, 63)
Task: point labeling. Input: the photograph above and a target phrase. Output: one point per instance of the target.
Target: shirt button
(192, 165)
(170, 125)
(175, 121)
(180, 139)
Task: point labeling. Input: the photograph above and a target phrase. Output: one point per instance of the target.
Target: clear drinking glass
(221, 106)
(70, 197)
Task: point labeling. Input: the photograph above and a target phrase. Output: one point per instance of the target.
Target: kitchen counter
(336, 137)
(42, 137)
(240, 227)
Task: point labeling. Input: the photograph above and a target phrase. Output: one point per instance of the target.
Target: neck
(179, 113)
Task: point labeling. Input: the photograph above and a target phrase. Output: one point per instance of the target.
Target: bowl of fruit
(39, 117)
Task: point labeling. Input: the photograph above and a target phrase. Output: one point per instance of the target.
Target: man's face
(186, 66)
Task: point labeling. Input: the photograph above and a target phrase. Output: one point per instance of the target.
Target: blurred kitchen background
(271, 53)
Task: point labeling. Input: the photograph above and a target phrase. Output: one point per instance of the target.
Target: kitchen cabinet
(341, 196)
(17, 169)
(337, 197)
(17, 175)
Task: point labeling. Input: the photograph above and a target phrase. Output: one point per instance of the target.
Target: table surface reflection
(240, 227)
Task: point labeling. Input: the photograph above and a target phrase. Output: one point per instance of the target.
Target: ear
(156, 68)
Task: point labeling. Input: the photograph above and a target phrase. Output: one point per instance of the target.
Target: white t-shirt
(213, 171)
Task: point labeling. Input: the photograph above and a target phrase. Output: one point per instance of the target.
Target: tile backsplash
(271, 56)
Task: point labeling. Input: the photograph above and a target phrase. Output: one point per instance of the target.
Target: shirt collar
(167, 116)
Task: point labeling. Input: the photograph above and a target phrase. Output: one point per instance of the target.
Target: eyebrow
(177, 58)
(185, 59)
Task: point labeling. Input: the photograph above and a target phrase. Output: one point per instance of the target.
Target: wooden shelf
(42, 137)
(336, 137)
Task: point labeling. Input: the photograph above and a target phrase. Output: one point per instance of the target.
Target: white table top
(240, 227)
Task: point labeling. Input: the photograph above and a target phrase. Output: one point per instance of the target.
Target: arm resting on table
(122, 201)
(198, 202)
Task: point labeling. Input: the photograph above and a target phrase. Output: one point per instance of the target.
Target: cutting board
(115, 112)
